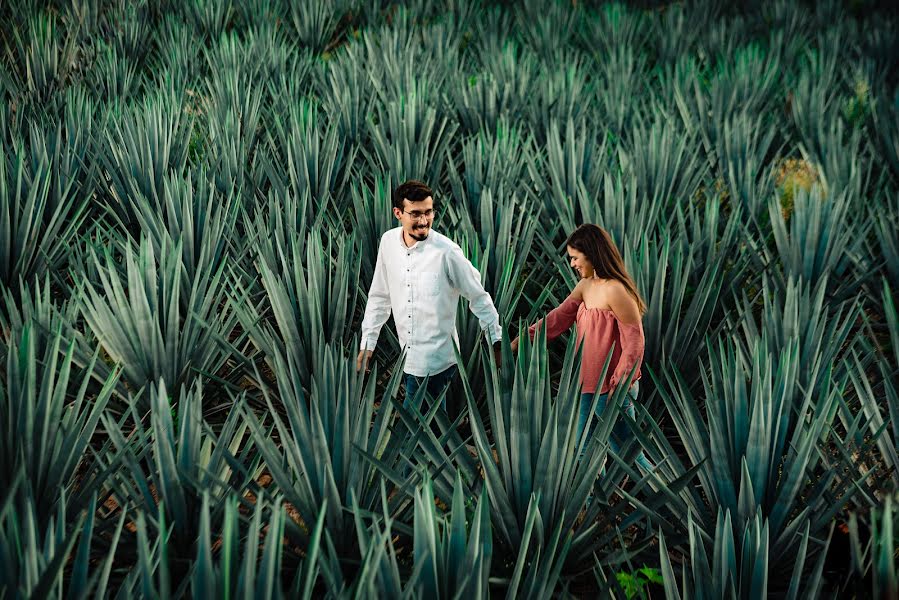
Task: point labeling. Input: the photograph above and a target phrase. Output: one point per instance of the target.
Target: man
(419, 276)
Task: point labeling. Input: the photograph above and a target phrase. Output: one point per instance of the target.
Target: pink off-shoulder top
(598, 329)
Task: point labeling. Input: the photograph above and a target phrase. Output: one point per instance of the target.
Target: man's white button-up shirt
(421, 284)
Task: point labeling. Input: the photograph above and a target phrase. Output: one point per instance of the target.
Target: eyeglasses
(417, 215)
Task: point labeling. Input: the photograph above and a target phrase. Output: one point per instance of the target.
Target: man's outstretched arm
(467, 280)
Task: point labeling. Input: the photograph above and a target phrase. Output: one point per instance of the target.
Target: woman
(607, 309)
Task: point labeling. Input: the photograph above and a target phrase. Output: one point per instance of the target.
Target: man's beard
(419, 237)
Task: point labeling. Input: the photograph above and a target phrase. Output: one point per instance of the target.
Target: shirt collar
(417, 244)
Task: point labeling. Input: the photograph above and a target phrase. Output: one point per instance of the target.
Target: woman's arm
(559, 319)
(630, 329)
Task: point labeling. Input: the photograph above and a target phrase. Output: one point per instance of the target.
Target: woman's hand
(514, 345)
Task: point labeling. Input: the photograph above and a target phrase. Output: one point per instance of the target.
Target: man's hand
(363, 358)
(498, 353)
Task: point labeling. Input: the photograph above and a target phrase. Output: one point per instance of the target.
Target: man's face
(416, 218)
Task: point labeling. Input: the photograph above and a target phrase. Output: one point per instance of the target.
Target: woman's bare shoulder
(614, 287)
(622, 303)
(578, 291)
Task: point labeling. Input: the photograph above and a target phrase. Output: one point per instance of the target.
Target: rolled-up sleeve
(559, 319)
(377, 309)
(632, 346)
(466, 279)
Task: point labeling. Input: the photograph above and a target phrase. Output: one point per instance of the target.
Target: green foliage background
(191, 197)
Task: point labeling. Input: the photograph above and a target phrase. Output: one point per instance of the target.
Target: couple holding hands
(420, 274)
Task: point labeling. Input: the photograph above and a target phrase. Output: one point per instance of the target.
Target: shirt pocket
(429, 283)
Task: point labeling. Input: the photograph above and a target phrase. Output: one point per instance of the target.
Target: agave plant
(34, 306)
(35, 554)
(820, 239)
(308, 157)
(43, 59)
(311, 306)
(237, 570)
(347, 93)
(409, 139)
(150, 330)
(547, 27)
(502, 265)
(676, 32)
(128, 27)
(177, 63)
(405, 59)
(619, 93)
(746, 77)
(193, 211)
(838, 158)
(142, 146)
(499, 90)
(814, 100)
(576, 163)
(251, 569)
(499, 158)
(759, 443)
(740, 563)
(885, 227)
(743, 143)
(258, 13)
(373, 217)
(318, 460)
(800, 313)
(178, 459)
(49, 417)
(378, 571)
(683, 282)
(615, 25)
(451, 562)
(210, 17)
(502, 268)
(554, 96)
(665, 160)
(315, 24)
(874, 557)
(37, 227)
(541, 466)
(112, 75)
(887, 126)
(234, 113)
(541, 556)
(879, 403)
(64, 148)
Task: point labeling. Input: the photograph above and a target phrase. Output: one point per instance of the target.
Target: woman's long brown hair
(599, 248)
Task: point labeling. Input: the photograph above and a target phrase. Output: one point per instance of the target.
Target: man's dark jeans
(436, 384)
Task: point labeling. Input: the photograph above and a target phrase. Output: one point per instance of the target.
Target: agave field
(191, 197)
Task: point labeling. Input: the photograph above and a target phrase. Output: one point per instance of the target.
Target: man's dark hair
(411, 190)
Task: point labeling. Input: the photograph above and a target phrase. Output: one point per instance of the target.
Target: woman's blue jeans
(621, 431)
